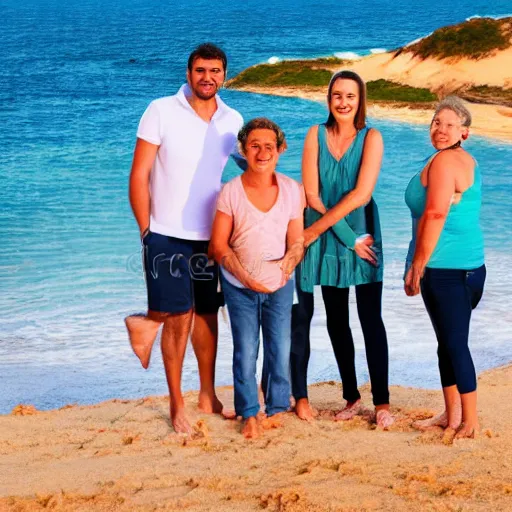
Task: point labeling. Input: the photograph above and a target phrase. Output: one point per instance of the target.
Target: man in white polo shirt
(183, 144)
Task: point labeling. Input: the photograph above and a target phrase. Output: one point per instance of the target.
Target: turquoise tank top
(330, 260)
(461, 244)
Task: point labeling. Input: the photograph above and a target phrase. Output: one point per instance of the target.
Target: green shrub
(473, 39)
(288, 73)
(383, 90)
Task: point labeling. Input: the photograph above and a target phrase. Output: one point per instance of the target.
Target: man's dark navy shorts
(178, 275)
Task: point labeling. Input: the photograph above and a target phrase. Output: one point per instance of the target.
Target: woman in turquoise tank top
(446, 259)
(341, 164)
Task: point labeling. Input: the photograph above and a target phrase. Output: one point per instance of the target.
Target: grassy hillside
(473, 39)
(288, 73)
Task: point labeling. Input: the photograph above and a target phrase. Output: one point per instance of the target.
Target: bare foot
(448, 435)
(467, 430)
(441, 420)
(304, 410)
(274, 421)
(350, 410)
(384, 419)
(209, 404)
(229, 414)
(142, 332)
(180, 422)
(251, 429)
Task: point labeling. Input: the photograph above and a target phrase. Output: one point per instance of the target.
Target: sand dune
(122, 455)
(440, 75)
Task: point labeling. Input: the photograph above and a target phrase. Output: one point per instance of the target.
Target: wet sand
(122, 455)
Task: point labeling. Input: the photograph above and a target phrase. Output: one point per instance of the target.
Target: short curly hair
(455, 104)
(260, 123)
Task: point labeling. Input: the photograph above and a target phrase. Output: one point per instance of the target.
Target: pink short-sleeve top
(259, 238)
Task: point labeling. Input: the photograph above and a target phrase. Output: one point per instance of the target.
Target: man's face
(206, 77)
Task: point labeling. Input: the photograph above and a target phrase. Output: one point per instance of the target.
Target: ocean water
(75, 78)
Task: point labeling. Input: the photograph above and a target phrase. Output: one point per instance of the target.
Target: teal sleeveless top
(331, 260)
(460, 245)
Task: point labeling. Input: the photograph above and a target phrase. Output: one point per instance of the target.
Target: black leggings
(369, 301)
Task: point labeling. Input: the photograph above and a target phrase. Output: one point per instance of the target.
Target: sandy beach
(122, 455)
(488, 120)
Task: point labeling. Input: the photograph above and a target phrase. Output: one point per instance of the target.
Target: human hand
(143, 232)
(253, 285)
(364, 251)
(292, 258)
(412, 280)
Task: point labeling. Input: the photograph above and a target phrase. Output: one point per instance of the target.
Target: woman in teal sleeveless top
(341, 163)
(446, 259)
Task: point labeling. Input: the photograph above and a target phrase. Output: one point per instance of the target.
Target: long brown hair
(360, 119)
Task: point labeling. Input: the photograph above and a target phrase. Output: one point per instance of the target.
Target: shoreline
(493, 121)
(122, 455)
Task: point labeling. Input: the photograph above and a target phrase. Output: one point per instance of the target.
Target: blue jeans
(449, 296)
(249, 312)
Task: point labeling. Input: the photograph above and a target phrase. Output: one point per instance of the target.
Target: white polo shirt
(186, 175)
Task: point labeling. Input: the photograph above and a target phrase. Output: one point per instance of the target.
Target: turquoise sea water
(74, 80)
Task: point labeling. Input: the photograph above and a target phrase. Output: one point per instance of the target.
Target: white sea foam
(492, 16)
(273, 60)
(418, 40)
(347, 55)
(374, 51)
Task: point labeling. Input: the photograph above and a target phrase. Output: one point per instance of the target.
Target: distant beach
(488, 120)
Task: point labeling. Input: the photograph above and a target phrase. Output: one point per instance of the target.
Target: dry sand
(438, 74)
(122, 455)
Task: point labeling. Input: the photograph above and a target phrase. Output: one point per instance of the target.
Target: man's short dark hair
(207, 51)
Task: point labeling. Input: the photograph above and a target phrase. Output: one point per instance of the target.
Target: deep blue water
(75, 78)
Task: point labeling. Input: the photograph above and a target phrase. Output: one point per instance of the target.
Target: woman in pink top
(257, 238)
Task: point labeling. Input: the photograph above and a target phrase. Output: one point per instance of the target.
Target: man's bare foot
(180, 422)
(251, 429)
(467, 430)
(304, 410)
(142, 332)
(213, 405)
(209, 404)
(350, 410)
(229, 414)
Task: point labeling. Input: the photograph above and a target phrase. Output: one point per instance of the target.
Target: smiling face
(206, 77)
(261, 150)
(344, 100)
(446, 129)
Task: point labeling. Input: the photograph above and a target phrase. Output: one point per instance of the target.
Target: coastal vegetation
(315, 75)
(288, 73)
(384, 90)
(473, 39)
